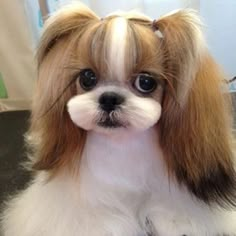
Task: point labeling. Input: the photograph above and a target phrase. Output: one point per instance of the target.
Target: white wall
(16, 55)
(159, 7)
(153, 8)
(220, 19)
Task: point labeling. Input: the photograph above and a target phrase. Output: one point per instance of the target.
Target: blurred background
(21, 23)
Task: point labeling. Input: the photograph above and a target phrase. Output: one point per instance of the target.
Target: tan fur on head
(195, 124)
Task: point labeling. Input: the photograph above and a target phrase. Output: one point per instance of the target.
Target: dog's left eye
(145, 83)
(87, 79)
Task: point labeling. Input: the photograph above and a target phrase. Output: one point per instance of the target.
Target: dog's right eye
(87, 79)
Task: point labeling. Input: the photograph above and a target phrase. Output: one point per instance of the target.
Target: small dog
(130, 131)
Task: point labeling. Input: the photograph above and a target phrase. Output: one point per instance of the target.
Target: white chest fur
(124, 161)
(122, 183)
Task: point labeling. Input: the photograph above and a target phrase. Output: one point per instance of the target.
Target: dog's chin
(111, 124)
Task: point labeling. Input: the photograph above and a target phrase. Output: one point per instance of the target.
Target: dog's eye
(145, 83)
(87, 79)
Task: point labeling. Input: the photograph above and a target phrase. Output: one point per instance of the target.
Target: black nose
(110, 100)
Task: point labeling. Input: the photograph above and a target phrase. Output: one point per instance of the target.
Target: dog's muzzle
(109, 103)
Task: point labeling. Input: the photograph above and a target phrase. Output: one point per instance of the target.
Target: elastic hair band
(154, 25)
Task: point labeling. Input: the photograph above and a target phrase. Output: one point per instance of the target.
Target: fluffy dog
(130, 131)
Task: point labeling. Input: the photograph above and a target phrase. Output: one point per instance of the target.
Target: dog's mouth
(110, 123)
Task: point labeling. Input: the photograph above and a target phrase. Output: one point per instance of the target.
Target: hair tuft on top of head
(63, 22)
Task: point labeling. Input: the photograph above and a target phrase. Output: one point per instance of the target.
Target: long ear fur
(195, 127)
(53, 137)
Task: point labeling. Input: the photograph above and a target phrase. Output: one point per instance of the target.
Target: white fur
(138, 113)
(117, 48)
(122, 181)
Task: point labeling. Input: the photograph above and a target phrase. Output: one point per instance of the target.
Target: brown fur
(195, 127)
(196, 133)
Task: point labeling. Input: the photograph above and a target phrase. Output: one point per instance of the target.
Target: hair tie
(154, 25)
(156, 29)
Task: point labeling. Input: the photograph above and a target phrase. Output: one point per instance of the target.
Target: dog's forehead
(118, 47)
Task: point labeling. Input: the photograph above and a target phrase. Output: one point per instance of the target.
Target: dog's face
(119, 85)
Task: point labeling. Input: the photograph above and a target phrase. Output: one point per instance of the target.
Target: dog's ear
(54, 139)
(195, 128)
(73, 17)
(183, 45)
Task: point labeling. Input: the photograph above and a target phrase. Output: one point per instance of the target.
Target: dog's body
(96, 204)
(144, 146)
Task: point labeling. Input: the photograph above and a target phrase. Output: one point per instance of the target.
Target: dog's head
(127, 73)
